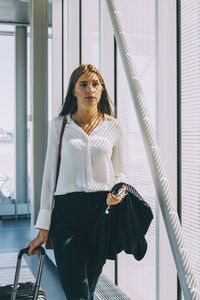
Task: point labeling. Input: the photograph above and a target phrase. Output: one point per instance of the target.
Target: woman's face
(88, 89)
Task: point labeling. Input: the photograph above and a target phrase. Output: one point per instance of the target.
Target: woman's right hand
(38, 241)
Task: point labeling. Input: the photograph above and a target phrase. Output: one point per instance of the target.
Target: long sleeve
(49, 177)
(118, 156)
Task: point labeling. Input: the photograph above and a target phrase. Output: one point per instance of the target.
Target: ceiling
(17, 12)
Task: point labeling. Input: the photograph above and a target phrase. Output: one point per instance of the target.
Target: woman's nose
(90, 87)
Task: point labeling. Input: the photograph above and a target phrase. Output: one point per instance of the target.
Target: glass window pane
(138, 279)
(190, 128)
(7, 125)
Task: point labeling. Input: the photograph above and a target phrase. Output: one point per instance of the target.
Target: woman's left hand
(113, 200)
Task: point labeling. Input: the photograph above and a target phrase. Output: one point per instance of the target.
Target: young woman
(92, 162)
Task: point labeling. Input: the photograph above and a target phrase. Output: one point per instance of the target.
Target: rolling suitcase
(27, 290)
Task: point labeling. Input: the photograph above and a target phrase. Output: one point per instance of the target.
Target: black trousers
(72, 220)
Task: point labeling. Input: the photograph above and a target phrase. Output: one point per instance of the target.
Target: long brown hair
(70, 103)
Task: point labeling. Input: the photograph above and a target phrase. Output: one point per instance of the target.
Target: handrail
(164, 194)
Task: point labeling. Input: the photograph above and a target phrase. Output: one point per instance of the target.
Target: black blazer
(124, 228)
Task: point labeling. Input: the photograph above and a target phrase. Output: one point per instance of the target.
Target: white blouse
(88, 163)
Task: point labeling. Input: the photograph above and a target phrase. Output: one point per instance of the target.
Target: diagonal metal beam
(164, 194)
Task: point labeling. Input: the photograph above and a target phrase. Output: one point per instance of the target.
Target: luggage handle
(39, 274)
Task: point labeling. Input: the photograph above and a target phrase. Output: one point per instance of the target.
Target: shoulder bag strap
(59, 149)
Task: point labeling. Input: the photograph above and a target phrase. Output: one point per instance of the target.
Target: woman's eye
(95, 84)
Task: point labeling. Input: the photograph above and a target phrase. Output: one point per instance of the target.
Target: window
(138, 279)
(189, 27)
(7, 125)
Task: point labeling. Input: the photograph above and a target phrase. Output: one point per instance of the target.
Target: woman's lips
(90, 97)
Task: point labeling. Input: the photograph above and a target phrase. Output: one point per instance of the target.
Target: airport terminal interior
(148, 53)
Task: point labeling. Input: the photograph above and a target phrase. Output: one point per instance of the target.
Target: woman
(92, 162)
